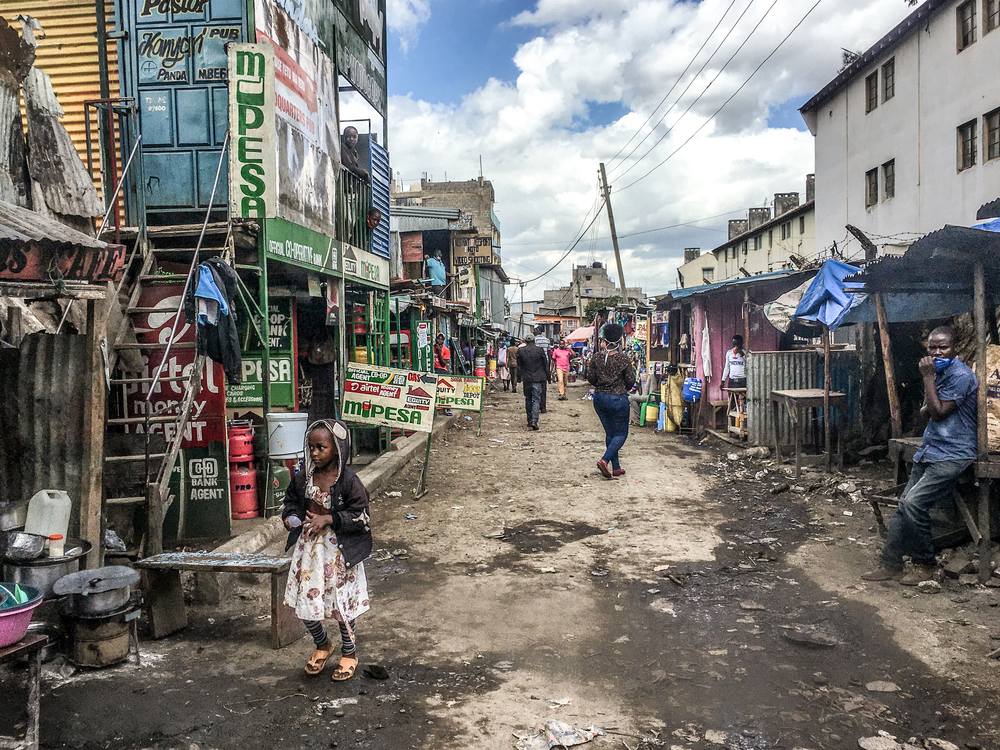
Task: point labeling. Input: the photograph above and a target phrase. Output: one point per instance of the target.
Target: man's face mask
(941, 364)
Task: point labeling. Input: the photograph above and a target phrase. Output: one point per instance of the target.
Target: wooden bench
(30, 646)
(716, 407)
(165, 601)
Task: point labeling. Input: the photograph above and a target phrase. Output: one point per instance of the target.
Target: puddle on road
(545, 535)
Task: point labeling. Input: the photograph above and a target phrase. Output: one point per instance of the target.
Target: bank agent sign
(253, 154)
(391, 398)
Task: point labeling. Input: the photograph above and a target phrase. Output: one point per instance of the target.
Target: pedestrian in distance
(326, 515)
(532, 366)
(512, 363)
(560, 360)
(612, 375)
(543, 343)
(949, 447)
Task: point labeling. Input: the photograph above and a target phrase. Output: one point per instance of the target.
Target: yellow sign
(465, 394)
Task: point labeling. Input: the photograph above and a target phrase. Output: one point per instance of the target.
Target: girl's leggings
(319, 636)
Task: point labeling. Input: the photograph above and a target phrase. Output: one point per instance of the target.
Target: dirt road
(685, 605)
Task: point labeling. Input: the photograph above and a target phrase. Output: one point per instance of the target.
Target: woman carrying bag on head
(612, 375)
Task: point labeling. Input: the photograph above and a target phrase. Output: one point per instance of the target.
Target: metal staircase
(141, 450)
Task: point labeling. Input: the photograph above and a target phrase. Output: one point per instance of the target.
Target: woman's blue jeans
(613, 411)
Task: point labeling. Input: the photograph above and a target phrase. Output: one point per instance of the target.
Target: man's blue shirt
(954, 437)
(437, 271)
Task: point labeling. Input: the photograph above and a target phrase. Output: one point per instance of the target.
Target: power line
(703, 92)
(715, 114)
(571, 248)
(679, 79)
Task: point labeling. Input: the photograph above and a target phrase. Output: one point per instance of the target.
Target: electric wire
(694, 78)
(611, 166)
(571, 247)
(704, 91)
(733, 96)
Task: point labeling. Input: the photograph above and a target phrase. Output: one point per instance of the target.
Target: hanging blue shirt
(208, 289)
(954, 438)
(436, 269)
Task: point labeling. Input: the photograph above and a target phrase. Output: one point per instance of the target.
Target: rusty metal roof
(19, 224)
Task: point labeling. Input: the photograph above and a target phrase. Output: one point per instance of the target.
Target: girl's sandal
(345, 670)
(319, 658)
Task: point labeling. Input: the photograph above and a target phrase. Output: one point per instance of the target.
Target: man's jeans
(910, 527)
(532, 400)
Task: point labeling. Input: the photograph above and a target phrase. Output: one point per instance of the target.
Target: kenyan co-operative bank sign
(253, 154)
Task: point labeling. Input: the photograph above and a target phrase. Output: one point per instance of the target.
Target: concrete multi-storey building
(908, 135)
(590, 282)
(759, 244)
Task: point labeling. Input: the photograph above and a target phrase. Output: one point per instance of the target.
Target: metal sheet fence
(780, 371)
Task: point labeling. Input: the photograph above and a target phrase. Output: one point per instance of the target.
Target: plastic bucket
(652, 412)
(286, 434)
(243, 487)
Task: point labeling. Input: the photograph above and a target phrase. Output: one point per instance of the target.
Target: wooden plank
(92, 464)
(216, 562)
(895, 412)
(27, 645)
(43, 290)
(988, 470)
(970, 522)
(165, 602)
(826, 395)
(286, 627)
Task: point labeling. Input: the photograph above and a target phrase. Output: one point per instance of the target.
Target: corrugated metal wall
(11, 448)
(68, 53)
(782, 371)
(51, 383)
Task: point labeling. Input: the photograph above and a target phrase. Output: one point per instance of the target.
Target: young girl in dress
(326, 513)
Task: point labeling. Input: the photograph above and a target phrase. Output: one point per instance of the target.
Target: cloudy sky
(545, 90)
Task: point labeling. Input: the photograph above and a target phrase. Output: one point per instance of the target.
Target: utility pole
(520, 322)
(605, 188)
(579, 299)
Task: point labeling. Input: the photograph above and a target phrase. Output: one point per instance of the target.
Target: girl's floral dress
(320, 587)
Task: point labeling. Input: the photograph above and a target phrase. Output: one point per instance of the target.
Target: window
(967, 145)
(707, 275)
(966, 26)
(758, 242)
(871, 188)
(889, 179)
(889, 80)
(770, 237)
(871, 92)
(991, 15)
(802, 225)
(786, 230)
(991, 129)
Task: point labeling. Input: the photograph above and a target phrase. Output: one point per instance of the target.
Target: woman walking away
(612, 375)
(326, 511)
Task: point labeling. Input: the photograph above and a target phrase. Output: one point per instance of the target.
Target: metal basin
(19, 546)
(45, 571)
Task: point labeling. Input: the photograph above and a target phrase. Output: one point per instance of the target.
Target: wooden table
(165, 601)
(796, 403)
(30, 646)
(736, 413)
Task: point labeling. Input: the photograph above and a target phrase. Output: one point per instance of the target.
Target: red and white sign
(207, 423)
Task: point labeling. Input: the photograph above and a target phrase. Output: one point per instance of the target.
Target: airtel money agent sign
(389, 398)
(460, 393)
(253, 155)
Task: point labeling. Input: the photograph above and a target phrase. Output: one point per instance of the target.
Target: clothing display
(210, 304)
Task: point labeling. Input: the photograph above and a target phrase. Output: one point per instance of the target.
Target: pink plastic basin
(14, 621)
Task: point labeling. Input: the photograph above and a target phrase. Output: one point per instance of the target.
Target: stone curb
(374, 476)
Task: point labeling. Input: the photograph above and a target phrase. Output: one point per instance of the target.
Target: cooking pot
(43, 572)
(95, 593)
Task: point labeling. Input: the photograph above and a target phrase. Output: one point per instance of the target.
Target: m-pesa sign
(253, 159)
(388, 397)
(365, 266)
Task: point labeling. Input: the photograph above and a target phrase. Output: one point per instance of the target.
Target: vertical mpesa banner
(253, 155)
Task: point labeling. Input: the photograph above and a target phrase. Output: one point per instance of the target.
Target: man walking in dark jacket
(532, 367)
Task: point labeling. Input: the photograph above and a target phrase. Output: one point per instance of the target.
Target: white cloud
(406, 18)
(541, 152)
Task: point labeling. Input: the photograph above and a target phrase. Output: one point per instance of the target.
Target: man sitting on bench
(948, 449)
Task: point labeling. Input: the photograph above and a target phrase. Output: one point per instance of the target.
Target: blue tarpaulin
(825, 301)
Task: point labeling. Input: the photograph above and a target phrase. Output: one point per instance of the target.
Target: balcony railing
(354, 198)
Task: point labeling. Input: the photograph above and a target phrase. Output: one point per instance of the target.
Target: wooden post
(422, 484)
(979, 288)
(895, 415)
(94, 398)
(746, 319)
(826, 395)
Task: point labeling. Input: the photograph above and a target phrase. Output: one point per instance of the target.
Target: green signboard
(251, 391)
(279, 314)
(299, 246)
(200, 486)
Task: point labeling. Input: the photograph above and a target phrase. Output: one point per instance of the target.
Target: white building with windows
(908, 135)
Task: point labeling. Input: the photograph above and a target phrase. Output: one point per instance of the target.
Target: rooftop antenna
(480, 166)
